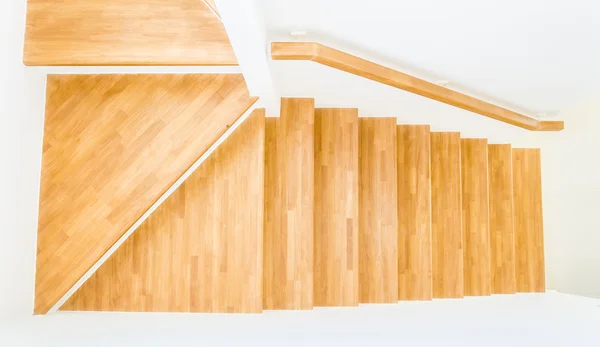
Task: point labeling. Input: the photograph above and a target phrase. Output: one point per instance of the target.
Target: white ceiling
(532, 55)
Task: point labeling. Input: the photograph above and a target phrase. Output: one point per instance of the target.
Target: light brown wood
(201, 250)
(378, 214)
(414, 213)
(502, 241)
(475, 217)
(289, 207)
(336, 207)
(367, 69)
(528, 222)
(212, 5)
(446, 229)
(548, 125)
(125, 32)
(113, 144)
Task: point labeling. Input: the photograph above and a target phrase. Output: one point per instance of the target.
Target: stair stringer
(174, 235)
(83, 279)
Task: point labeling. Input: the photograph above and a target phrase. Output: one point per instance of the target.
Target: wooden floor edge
(364, 68)
(195, 165)
(34, 63)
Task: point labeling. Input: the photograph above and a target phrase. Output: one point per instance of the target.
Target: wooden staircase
(356, 210)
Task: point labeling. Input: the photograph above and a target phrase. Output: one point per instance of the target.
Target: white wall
(571, 188)
(21, 126)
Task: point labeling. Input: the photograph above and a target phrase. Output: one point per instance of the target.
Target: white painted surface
(247, 33)
(549, 319)
(539, 55)
(571, 197)
(21, 125)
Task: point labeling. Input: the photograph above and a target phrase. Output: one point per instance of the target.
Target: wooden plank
(528, 222)
(289, 207)
(502, 240)
(551, 125)
(201, 250)
(367, 69)
(125, 32)
(446, 229)
(414, 213)
(378, 214)
(475, 217)
(336, 207)
(113, 144)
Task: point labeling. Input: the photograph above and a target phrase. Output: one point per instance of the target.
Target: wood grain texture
(336, 207)
(502, 240)
(201, 250)
(125, 32)
(528, 223)
(414, 213)
(378, 211)
(212, 5)
(346, 62)
(446, 229)
(113, 144)
(475, 217)
(289, 207)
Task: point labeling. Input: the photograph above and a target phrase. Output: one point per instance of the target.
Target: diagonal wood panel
(446, 230)
(528, 222)
(414, 213)
(201, 250)
(475, 217)
(289, 206)
(125, 32)
(378, 211)
(113, 144)
(336, 207)
(502, 237)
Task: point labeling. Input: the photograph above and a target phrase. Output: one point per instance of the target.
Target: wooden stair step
(414, 213)
(336, 207)
(446, 233)
(529, 238)
(475, 217)
(378, 213)
(502, 242)
(289, 207)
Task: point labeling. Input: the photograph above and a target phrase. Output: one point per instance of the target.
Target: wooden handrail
(367, 69)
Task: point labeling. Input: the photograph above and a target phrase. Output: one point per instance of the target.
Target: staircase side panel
(113, 144)
(201, 250)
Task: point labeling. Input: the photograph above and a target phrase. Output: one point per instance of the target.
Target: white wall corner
(246, 28)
